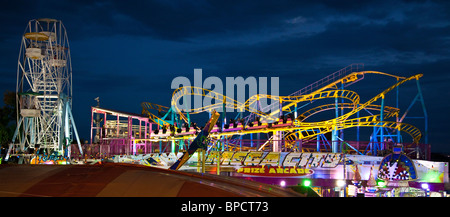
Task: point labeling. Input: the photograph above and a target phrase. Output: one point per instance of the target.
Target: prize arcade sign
(268, 163)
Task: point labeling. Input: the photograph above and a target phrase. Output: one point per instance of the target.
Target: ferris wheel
(44, 90)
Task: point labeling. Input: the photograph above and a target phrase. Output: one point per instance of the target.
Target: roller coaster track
(368, 121)
(310, 129)
(316, 91)
(231, 103)
(359, 108)
(146, 107)
(220, 101)
(323, 84)
(306, 133)
(292, 137)
(389, 111)
(351, 78)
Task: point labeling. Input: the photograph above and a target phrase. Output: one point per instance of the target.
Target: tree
(7, 118)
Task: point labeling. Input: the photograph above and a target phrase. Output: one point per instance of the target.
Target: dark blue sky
(128, 52)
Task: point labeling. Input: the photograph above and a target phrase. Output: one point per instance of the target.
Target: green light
(432, 176)
(381, 183)
(307, 183)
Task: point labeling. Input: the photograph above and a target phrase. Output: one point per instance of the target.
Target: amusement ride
(289, 126)
(44, 91)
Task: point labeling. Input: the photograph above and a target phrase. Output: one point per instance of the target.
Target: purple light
(48, 162)
(283, 183)
(425, 186)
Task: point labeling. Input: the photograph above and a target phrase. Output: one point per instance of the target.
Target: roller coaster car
(256, 125)
(193, 130)
(231, 124)
(184, 129)
(283, 122)
(215, 129)
(156, 131)
(233, 127)
(162, 132)
(187, 131)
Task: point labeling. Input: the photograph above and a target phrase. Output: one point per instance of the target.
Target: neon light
(307, 183)
(433, 176)
(381, 183)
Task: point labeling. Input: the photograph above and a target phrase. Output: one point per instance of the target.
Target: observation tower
(44, 91)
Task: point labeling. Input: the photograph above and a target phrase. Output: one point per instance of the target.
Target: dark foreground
(124, 180)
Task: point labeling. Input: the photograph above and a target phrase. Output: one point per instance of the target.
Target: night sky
(128, 52)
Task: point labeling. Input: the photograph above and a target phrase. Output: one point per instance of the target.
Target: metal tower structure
(44, 90)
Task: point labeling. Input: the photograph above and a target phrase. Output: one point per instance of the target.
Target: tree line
(7, 118)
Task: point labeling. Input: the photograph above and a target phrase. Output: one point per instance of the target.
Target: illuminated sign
(397, 167)
(274, 171)
(259, 158)
(393, 167)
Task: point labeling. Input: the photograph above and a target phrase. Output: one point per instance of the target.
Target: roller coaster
(287, 127)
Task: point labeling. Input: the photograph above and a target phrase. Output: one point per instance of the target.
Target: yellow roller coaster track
(306, 130)
(358, 108)
(388, 111)
(231, 103)
(347, 79)
(146, 106)
(341, 122)
(220, 101)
